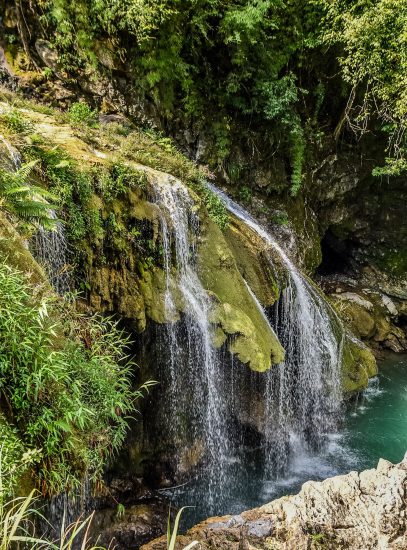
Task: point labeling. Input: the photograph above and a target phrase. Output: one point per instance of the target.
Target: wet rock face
(376, 318)
(363, 511)
(130, 528)
(362, 217)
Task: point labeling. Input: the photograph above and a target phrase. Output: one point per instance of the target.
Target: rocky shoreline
(358, 511)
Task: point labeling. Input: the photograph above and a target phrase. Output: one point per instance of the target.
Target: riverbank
(363, 511)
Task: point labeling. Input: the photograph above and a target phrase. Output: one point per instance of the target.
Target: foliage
(280, 218)
(17, 525)
(215, 60)
(14, 458)
(66, 379)
(14, 516)
(81, 113)
(245, 193)
(15, 122)
(374, 61)
(20, 198)
(216, 209)
(235, 67)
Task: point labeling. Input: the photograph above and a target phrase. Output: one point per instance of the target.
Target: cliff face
(359, 511)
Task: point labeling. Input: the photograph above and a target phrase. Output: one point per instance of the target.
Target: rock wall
(358, 511)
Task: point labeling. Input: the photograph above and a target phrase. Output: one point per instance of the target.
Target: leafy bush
(14, 120)
(81, 113)
(216, 209)
(216, 62)
(373, 36)
(66, 379)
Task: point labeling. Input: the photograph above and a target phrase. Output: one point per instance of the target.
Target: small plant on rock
(80, 113)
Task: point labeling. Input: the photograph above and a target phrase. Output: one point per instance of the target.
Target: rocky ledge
(354, 511)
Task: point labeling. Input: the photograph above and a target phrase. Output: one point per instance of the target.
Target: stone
(235, 310)
(128, 530)
(48, 55)
(358, 365)
(355, 511)
(14, 250)
(105, 53)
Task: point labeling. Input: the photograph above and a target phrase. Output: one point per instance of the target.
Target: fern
(26, 202)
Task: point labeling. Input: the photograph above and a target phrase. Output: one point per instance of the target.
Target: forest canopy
(268, 64)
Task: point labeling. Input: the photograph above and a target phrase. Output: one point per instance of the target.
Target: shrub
(23, 200)
(216, 209)
(15, 122)
(67, 381)
(80, 113)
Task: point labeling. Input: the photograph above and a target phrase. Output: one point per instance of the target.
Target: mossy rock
(357, 317)
(235, 311)
(358, 365)
(249, 252)
(14, 250)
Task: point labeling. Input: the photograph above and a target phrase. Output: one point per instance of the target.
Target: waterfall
(302, 395)
(197, 386)
(51, 251)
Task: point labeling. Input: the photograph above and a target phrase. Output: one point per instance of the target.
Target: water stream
(51, 251)
(298, 403)
(302, 395)
(194, 362)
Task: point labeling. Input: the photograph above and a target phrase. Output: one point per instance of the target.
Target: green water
(375, 426)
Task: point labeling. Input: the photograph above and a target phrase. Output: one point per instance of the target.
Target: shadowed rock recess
(362, 511)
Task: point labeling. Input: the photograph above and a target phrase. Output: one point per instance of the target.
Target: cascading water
(191, 345)
(213, 401)
(302, 395)
(51, 251)
(13, 153)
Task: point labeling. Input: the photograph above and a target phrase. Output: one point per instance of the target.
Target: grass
(172, 534)
(125, 144)
(17, 526)
(66, 380)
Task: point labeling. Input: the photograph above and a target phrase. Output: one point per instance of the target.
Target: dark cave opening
(336, 255)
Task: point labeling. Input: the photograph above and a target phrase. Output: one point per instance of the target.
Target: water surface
(375, 426)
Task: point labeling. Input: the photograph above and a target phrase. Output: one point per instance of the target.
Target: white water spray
(303, 394)
(194, 361)
(51, 251)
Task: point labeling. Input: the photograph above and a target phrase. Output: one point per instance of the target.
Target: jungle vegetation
(233, 66)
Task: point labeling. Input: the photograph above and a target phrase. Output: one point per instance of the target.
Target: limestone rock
(48, 55)
(365, 511)
(358, 365)
(235, 310)
(373, 316)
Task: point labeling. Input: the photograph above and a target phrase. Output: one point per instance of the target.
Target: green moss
(358, 365)
(249, 253)
(357, 318)
(14, 250)
(235, 313)
(392, 261)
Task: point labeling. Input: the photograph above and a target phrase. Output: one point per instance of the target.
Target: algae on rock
(235, 312)
(358, 365)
